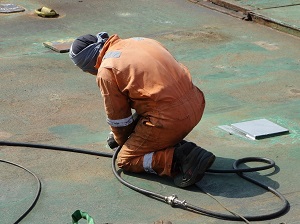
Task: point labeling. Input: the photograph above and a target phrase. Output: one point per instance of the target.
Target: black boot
(192, 162)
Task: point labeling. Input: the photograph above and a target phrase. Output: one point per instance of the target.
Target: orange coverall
(140, 74)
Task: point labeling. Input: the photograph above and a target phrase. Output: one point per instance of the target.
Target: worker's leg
(150, 147)
(144, 152)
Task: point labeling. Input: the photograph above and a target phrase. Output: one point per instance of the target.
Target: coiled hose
(172, 200)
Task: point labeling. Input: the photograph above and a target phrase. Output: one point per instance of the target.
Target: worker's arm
(117, 106)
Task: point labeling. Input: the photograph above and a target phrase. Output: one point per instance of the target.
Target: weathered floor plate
(10, 8)
(61, 46)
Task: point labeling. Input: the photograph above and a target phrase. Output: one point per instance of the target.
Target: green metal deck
(247, 71)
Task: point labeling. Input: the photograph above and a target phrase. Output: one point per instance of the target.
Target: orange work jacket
(140, 74)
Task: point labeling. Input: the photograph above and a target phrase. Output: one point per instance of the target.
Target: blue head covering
(85, 50)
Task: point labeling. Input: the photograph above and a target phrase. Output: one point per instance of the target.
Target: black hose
(270, 163)
(135, 188)
(37, 195)
(173, 200)
(50, 147)
(57, 148)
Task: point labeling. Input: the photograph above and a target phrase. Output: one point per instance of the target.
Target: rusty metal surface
(279, 15)
(44, 98)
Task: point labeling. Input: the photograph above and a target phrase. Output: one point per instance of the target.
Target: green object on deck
(77, 215)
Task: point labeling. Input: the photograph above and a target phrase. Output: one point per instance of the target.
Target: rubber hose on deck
(171, 199)
(236, 170)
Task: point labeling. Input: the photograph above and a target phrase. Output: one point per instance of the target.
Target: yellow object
(46, 12)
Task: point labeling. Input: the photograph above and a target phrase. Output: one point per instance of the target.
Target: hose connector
(173, 201)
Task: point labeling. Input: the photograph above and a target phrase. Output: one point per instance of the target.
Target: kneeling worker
(139, 73)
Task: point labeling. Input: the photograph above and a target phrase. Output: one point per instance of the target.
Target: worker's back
(145, 71)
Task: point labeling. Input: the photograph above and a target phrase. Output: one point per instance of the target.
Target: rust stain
(266, 45)
(295, 91)
(206, 35)
(5, 135)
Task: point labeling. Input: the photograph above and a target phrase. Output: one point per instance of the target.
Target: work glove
(111, 142)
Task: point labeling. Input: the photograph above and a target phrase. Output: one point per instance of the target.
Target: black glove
(111, 141)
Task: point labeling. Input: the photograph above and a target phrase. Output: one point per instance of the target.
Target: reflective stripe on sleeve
(121, 122)
(147, 163)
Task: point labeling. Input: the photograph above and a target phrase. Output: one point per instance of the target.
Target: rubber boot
(191, 161)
